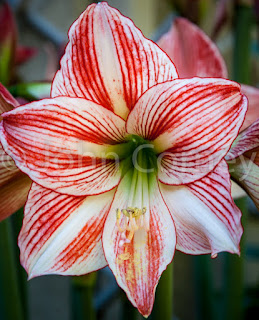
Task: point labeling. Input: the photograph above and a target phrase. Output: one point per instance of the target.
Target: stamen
(134, 220)
(118, 215)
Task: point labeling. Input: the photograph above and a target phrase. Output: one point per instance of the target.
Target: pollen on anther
(133, 220)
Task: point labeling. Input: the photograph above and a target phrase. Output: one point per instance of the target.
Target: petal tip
(145, 312)
(31, 274)
(30, 277)
(146, 315)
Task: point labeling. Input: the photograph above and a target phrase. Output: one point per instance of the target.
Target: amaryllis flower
(14, 184)
(127, 160)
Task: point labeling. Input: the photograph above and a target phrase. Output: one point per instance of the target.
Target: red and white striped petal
(192, 51)
(7, 101)
(8, 168)
(65, 144)
(245, 141)
(13, 195)
(191, 123)
(61, 234)
(252, 114)
(245, 172)
(139, 263)
(109, 61)
(205, 216)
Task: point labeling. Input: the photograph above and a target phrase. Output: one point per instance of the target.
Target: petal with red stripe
(191, 123)
(61, 234)
(66, 144)
(109, 61)
(245, 141)
(192, 51)
(252, 114)
(138, 263)
(205, 216)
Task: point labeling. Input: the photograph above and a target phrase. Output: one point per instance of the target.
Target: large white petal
(61, 234)
(65, 144)
(205, 216)
(109, 61)
(191, 124)
(139, 263)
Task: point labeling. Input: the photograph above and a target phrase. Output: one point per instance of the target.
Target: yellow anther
(118, 214)
(125, 212)
(133, 220)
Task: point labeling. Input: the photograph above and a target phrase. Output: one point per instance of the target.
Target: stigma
(133, 220)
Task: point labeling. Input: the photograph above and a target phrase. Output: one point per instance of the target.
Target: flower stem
(204, 285)
(242, 42)
(17, 219)
(82, 297)
(163, 306)
(234, 276)
(234, 265)
(10, 296)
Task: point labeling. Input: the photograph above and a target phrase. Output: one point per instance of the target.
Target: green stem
(82, 297)
(242, 43)
(203, 278)
(163, 306)
(234, 265)
(234, 276)
(17, 219)
(10, 296)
